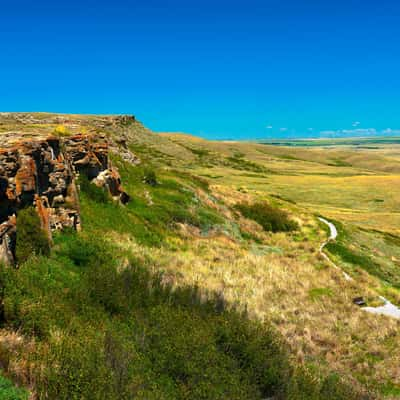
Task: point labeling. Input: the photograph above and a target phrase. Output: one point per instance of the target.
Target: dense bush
(31, 238)
(270, 218)
(69, 245)
(95, 193)
(149, 177)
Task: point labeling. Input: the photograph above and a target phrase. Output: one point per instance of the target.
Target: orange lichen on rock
(25, 179)
(43, 211)
(36, 172)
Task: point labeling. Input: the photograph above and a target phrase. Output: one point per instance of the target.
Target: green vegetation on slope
(270, 218)
(106, 327)
(109, 329)
(31, 238)
(93, 192)
(98, 324)
(155, 209)
(374, 252)
(9, 392)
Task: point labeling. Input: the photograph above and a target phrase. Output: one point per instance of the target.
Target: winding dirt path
(332, 236)
(388, 309)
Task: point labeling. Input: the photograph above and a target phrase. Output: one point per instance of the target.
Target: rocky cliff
(41, 171)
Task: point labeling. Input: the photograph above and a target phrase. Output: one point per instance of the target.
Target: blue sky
(219, 69)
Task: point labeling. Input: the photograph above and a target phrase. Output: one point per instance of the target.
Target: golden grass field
(364, 188)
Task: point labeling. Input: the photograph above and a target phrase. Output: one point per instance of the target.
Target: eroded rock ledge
(41, 172)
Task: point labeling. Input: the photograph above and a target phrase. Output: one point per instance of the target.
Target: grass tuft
(269, 217)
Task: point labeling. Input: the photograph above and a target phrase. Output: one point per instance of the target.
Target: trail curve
(332, 236)
(388, 309)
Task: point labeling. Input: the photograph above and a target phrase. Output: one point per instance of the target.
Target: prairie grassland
(359, 186)
(284, 279)
(188, 228)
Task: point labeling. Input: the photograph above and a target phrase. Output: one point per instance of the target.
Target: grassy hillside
(185, 293)
(355, 188)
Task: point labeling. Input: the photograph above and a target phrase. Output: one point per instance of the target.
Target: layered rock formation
(41, 172)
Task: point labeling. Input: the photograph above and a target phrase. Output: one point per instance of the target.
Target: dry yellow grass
(277, 288)
(285, 280)
(364, 188)
(276, 282)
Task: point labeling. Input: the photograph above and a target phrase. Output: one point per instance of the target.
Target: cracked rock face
(41, 172)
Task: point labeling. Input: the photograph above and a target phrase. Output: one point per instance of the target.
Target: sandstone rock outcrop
(118, 128)
(98, 121)
(41, 172)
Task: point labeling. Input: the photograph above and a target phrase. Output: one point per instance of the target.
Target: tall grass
(104, 330)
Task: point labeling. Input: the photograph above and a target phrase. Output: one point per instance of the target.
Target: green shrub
(149, 177)
(259, 351)
(31, 238)
(93, 192)
(270, 218)
(309, 384)
(9, 392)
(81, 251)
